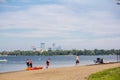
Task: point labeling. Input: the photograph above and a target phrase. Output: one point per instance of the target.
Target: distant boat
(3, 60)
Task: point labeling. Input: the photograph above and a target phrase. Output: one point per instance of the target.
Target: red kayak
(35, 68)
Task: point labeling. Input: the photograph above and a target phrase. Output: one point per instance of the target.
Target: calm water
(16, 63)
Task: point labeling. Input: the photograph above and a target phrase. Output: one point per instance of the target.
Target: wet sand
(65, 73)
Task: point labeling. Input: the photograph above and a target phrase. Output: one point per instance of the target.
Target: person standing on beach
(27, 63)
(48, 63)
(77, 60)
(30, 63)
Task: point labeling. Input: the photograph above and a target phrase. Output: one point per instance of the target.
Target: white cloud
(3, 1)
(26, 1)
(78, 1)
(43, 18)
(94, 29)
(23, 1)
(106, 43)
(57, 19)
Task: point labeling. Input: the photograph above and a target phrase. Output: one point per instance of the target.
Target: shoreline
(63, 73)
(61, 67)
(17, 63)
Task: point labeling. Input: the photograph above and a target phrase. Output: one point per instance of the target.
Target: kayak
(35, 68)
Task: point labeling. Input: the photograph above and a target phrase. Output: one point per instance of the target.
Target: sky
(71, 24)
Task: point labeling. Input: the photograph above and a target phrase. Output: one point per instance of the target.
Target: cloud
(3, 1)
(23, 1)
(63, 24)
(43, 18)
(57, 19)
(103, 43)
(77, 1)
(26, 1)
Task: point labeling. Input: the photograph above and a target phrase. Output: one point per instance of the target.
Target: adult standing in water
(77, 60)
(48, 63)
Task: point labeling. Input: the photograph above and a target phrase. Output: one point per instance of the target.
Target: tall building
(42, 46)
(59, 48)
(53, 47)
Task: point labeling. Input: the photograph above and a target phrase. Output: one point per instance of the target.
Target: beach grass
(109, 74)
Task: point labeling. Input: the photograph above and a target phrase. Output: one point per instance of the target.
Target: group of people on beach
(99, 61)
(29, 62)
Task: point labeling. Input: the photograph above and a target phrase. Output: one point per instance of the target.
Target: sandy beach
(65, 73)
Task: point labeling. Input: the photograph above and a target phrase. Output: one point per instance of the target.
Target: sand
(65, 73)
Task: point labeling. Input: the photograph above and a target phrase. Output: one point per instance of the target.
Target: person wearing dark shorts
(48, 63)
(77, 60)
(27, 63)
(30, 63)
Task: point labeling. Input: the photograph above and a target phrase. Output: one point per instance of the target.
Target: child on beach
(29, 63)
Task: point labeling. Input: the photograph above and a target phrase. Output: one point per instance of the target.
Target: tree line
(63, 52)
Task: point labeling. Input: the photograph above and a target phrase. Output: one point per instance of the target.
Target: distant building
(42, 46)
(50, 49)
(33, 48)
(53, 47)
(59, 48)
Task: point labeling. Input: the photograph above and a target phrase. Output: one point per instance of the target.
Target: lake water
(16, 63)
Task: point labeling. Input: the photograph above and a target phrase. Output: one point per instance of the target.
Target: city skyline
(43, 47)
(72, 24)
